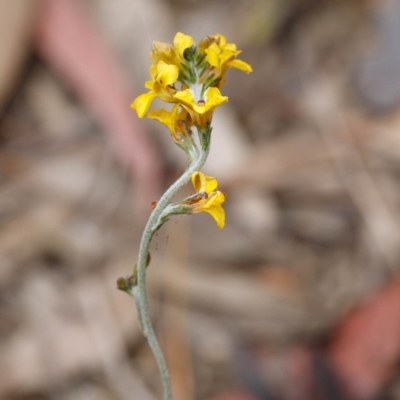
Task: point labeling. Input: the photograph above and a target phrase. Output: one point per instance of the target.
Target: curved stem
(151, 228)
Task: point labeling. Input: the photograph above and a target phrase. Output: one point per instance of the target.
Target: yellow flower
(179, 123)
(163, 73)
(202, 110)
(163, 77)
(222, 55)
(221, 59)
(209, 199)
(164, 52)
(171, 54)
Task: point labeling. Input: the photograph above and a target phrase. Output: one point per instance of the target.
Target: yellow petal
(142, 103)
(153, 71)
(213, 53)
(182, 42)
(167, 118)
(149, 85)
(213, 98)
(203, 183)
(243, 66)
(214, 208)
(164, 117)
(197, 181)
(185, 97)
(231, 47)
(228, 56)
(211, 184)
(167, 74)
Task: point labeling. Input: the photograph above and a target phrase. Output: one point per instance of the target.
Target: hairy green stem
(151, 227)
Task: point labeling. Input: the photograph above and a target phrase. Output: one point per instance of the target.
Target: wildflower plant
(190, 78)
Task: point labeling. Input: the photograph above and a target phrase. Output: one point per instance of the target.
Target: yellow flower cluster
(200, 70)
(190, 77)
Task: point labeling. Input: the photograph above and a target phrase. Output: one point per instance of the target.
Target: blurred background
(298, 297)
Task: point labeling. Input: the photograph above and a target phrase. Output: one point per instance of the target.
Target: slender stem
(148, 233)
